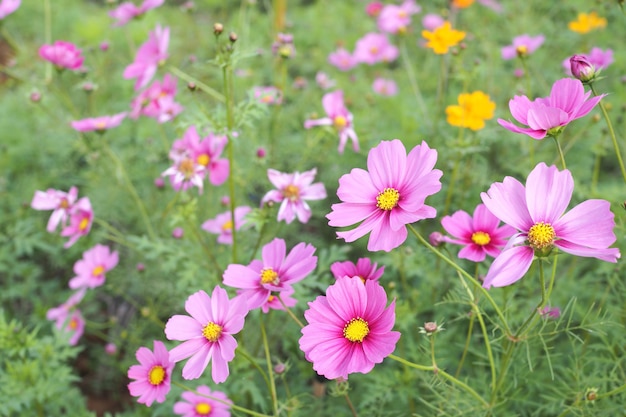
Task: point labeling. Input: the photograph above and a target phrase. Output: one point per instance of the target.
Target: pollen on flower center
(100, 125)
(97, 271)
(481, 238)
(203, 159)
(373, 50)
(83, 224)
(541, 235)
(291, 192)
(73, 324)
(269, 276)
(203, 409)
(521, 50)
(227, 226)
(356, 330)
(387, 199)
(212, 331)
(156, 375)
(340, 122)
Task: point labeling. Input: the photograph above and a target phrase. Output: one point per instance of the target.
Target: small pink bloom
(523, 45)
(389, 196)
(548, 116)
(99, 124)
(324, 81)
(373, 8)
(81, 218)
(75, 326)
(110, 349)
(149, 56)
(385, 87)
(157, 101)
(178, 233)
(396, 19)
(518, 72)
(91, 269)
(373, 48)
(342, 59)
(432, 21)
(104, 46)
(537, 211)
(268, 95)
(152, 377)
(283, 46)
(207, 334)
(127, 11)
(436, 239)
(203, 404)
(274, 274)
(8, 6)
(159, 182)
(62, 54)
(59, 201)
(339, 117)
(292, 191)
(550, 312)
(260, 153)
(61, 313)
(365, 269)
(222, 225)
(349, 329)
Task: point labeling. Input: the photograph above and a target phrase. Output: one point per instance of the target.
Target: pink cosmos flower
(479, 234)
(203, 405)
(283, 46)
(157, 101)
(349, 329)
(268, 95)
(385, 87)
(61, 313)
(8, 6)
(387, 197)
(396, 19)
(432, 21)
(222, 225)
(152, 377)
(339, 117)
(292, 191)
(59, 201)
(324, 81)
(99, 124)
(537, 211)
(75, 326)
(373, 48)
(63, 55)
(342, 59)
(207, 334)
(127, 11)
(81, 218)
(549, 116)
(273, 274)
(91, 269)
(373, 8)
(523, 45)
(149, 56)
(598, 58)
(365, 269)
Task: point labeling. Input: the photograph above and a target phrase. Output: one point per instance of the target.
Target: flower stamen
(156, 376)
(481, 238)
(356, 330)
(269, 276)
(387, 199)
(541, 235)
(212, 331)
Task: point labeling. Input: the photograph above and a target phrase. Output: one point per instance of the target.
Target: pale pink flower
(364, 268)
(157, 101)
(178, 233)
(389, 196)
(432, 21)
(8, 6)
(339, 117)
(396, 19)
(127, 11)
(324, 81)
(373, 48)
(480, 234)
(549, 116)
(349, 329)
(203, 403)
(152, 377)
(523, 45)
(342, 59)
(91, 269)
(274, 274)
(268, 95)
(207, 334)
(80, 218)
(385, 87)
(59, 201)
(149, 56)
(63, 55)
(222, 225)
(537, 211)
(373, 8)
(75, 326)
(292, 191)
(61, 313)
(99, 124)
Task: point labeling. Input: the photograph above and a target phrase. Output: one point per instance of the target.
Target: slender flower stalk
(227, 74)
(270, 371)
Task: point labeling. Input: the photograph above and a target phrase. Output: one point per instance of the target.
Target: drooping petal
(533, 133)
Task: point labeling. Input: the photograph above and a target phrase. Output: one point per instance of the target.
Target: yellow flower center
(541, 235)
(269, 276)
(373, 50)
(64, 203)
(227, 226)
(73, 324)
(83, 224)
(97, 271)
(387, 199)
(291, 192)
(203, 409)
(270, 298)
(100, 125)
(481, 238)
(340, 122)
(212, 332)
(521, 50)
(203, 159)
(356, 330)
(156, 375)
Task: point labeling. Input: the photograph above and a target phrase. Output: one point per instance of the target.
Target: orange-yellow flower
(472, 111)
(442, 38)
(587, 22)
(462, 4)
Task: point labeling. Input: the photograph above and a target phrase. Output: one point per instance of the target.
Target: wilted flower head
(587, 22)
(442, 38)
(373, 48)
(63, 55)
(283, 46)
(152, 377)
(522, 46)
(472, 111)
(339, 117)
(99, 124)
(149, 56)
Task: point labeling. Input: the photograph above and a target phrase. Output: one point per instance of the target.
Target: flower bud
(218, 28)
(582, 69)
(233, 37)
(178, 233)
(436, 239)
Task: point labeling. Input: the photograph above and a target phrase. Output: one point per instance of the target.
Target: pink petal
(507, 201)
(548, 192)
(198, 362)
(533, 133)
(589, 224)
(386, 164)
(509, 267)
(604, 254)
(459, 224)
(545, 118)
(348, 298)
(186, 349)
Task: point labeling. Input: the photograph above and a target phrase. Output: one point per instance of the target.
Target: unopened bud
(233, 37)
(191, 87)
(436, 239)
(218, 28)
(582, 68)
(35, 96)
(280, 368)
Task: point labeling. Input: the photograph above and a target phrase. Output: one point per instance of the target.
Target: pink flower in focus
(339, 117)
(342, 59)
(99, 124)
(349, 329)
(549, 116)
(537, 212)
(90, 270)
(396, 19)
(61, 313)
(292, 191)
(157, 101)
(365, 269)
(432, 21)
(63, 55)
(207, 334)
(385, 87)
(127, 11)
(387, 197)
(152, 377)
(373, 48)
(523, 45)
(222, 225)
(81, 218)
(59, 201)
(268, 95)
(479, 234)
(149, 56)
(204, 405)
(274, 274)
(373, 8)
(8, 6)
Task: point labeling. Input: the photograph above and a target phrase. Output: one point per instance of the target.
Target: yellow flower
(462, 4)
(472, 111)
(587, 22)
(442, 38)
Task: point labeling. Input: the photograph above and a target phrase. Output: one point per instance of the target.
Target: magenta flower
(349, 329)
(81, 218)
(396, 19)
(61, 313)
(149, 56)
(373, 8)
(207, 334)
(127, 11)
(537, 212)
(99, 124)
(59, 201)
(385, 87)
(203, 404)
(389, 196)
(8, 6)
(222, 224)
(63, 55)
(373, 48)
(273, 274)
(292, 191)
(152, 377)
(523, 45)
(339, 117)
(91, 269)
(342, 59)
(549, 116)
(479, 234)
(157, 101)
(597, 58)
(365, 269)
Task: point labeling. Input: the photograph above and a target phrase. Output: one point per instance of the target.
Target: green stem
(228, 403)
(241, 351)
(412, 79)
(612, 392)
(558, 147)
(350, 405)
(270, 372)
(48, 36)
(228, 93)
(525, 326)
(288, 310)
(199, 84)
(466, 347)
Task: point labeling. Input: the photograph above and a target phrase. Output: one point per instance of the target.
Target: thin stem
(241, 351)
(48, 36)
(352, 409)
(522, 330)
(288, 310)
(558, 147)
(228, 403)
(201, 86)
(228, 93)
(412, 80)
(270, 372)
(612, 392)
(466, 347)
